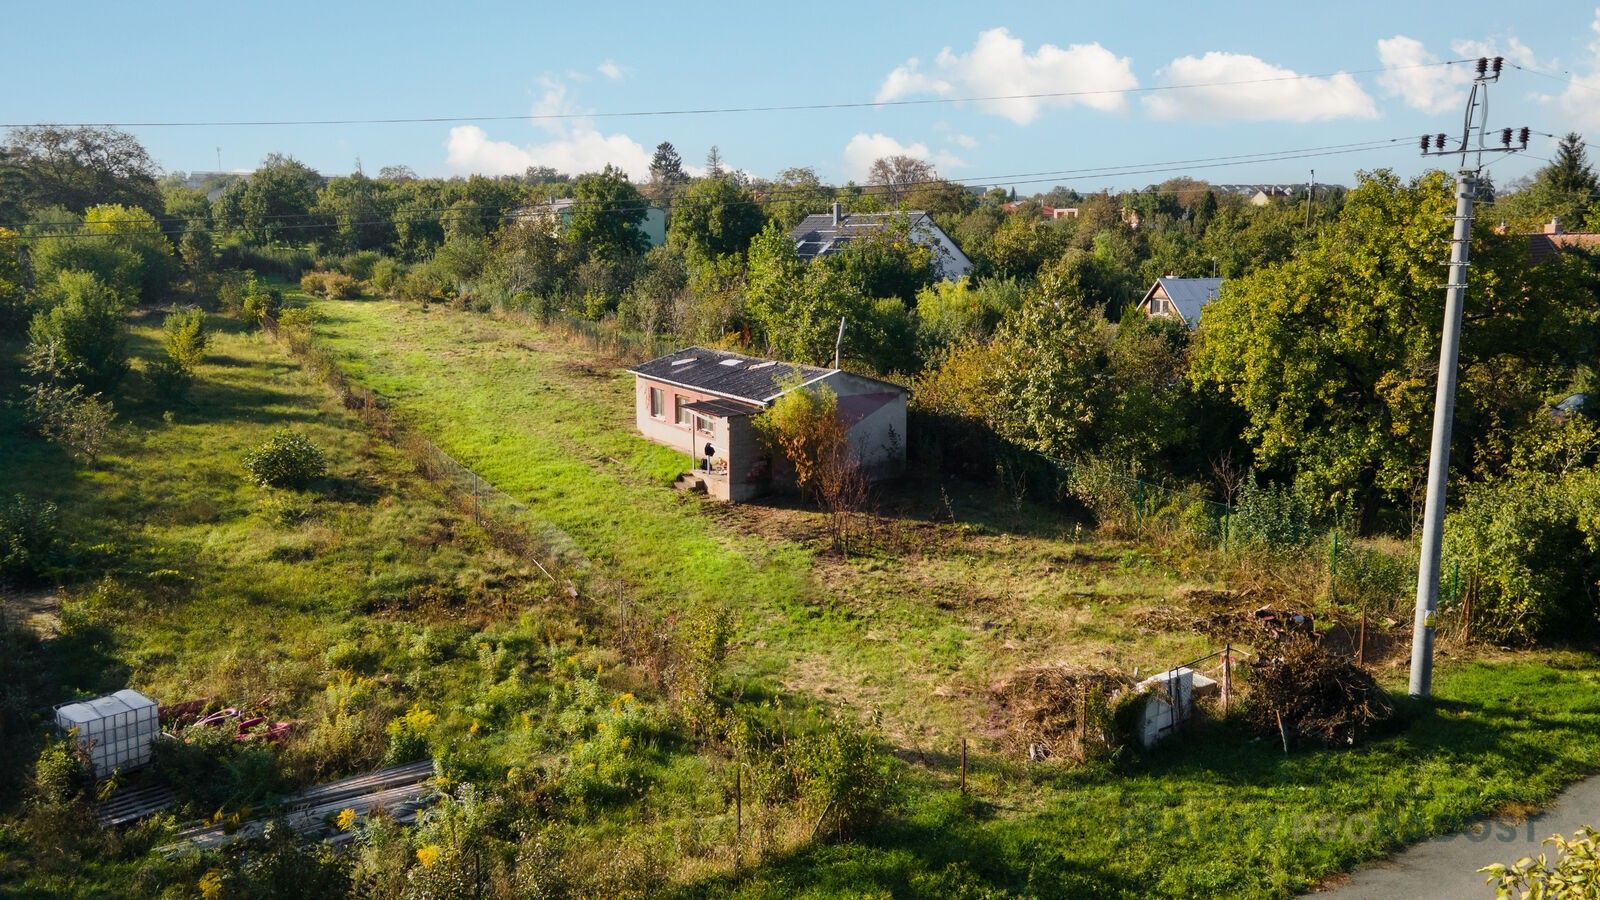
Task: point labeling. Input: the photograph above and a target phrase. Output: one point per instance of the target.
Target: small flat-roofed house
(829, 232)
(1180, 298)
(702, 402)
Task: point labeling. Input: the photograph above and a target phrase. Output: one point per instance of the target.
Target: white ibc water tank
(116, 731)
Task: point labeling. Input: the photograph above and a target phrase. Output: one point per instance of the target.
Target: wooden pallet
(126, 807)
(400, 792)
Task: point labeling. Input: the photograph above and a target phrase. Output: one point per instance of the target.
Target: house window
(658, 403)
(704, 424)
(679, 413)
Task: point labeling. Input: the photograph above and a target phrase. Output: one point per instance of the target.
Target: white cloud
(1410, 74)
(580, 149)
(610, 70)
(998, 65)
(574, 146)
(964, 140)
(1415, 75)
(865, 149)
(1581, 100)
(908, 80)
(1274, 93)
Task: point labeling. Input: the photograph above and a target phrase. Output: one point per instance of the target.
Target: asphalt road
(1447, 867)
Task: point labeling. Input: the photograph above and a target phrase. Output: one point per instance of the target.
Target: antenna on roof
(838, 343)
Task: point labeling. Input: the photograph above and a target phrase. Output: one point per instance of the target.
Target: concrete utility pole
(1311, 193)
(1444, 401)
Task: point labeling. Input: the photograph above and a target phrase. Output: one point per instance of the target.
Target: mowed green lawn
(917, 634)
(1219, 814)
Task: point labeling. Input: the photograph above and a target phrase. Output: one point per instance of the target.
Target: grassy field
(918, 632)
(342, 607)
(336, 608)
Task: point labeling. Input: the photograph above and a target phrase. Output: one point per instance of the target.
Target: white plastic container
(1168, 704)
(116, 731)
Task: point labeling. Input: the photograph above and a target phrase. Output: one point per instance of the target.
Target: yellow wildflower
(626, 743)
(428, 855)
(473, 728)
(211, 884)
(345, 819)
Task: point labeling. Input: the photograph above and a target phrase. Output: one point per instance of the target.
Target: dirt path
(38, 611)
(1447, 867)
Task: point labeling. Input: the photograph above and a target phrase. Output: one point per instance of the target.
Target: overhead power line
(724, 110)
(1565, 77)
(322, 220)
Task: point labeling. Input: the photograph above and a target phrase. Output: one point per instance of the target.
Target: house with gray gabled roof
(1180, 298)
(702, 401)
(829, 232)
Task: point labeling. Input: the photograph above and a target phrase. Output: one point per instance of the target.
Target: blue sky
(132, 63)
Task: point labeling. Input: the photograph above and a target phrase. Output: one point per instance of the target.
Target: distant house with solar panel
(830, 232)
(702, 402)
(1180, 298)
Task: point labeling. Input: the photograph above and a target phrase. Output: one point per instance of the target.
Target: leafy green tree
(946, 201)
(1332, 354)
(28, 537)
(278, 200)
(606, 215)
(13, 296)
(196, 249)
(895, 177)
(530, 261)
(287, 460)
(64, 414)
(76, 168)
(949, 312)
(418, 226)
(1149, 415)
(1020, 246)
(797, 314)
(181, 203)
(80, 335)
(227, 211)
(361, 210)
(887, 262)
(1050, 393)
(714, 217)
(122, 246)
(797, 193)
(138, 232)
(184, 337)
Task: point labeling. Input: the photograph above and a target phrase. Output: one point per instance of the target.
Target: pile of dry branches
(1059, 711)
(1305, 693)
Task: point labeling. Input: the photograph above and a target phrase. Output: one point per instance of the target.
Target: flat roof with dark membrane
(722, 409)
